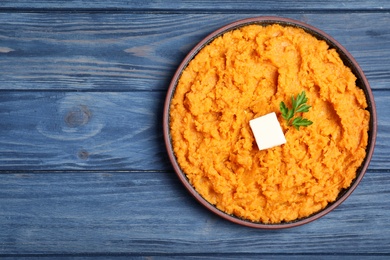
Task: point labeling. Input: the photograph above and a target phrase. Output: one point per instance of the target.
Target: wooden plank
(188, 5)
(151, 213)
(121, 52)
(57, 130)
(104, 131)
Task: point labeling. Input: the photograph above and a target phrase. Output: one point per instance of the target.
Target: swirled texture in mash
(244, 74)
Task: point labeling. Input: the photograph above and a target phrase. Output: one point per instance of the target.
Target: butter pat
(267, 131)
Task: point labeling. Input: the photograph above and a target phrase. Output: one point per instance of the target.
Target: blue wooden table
(83, 166)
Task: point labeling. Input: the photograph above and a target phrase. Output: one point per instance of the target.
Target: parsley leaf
(298, 106)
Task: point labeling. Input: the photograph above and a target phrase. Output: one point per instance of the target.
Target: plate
(348, 60)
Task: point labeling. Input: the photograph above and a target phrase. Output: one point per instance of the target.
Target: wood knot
(83, 155)
(78, 116)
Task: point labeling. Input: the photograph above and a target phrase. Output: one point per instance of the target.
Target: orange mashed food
(244, 74)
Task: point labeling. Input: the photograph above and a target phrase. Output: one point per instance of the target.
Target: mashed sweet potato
(244, 74)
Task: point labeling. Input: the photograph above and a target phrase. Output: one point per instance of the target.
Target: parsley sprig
(298, 106)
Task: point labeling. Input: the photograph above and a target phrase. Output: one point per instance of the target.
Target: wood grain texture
(202, 5)
(83, 167)
(142, 212)
(125, 52)
(67, 131)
